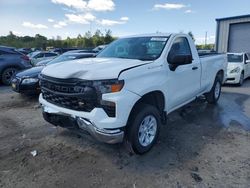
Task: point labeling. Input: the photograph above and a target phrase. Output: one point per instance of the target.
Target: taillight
(25, 58)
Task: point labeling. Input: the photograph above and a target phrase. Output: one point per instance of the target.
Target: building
(233, 34)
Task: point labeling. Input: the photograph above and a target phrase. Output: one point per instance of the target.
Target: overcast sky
(123, 17)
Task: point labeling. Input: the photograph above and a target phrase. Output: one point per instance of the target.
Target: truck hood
(91, 68)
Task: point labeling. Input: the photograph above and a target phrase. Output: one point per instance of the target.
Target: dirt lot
(201, 146)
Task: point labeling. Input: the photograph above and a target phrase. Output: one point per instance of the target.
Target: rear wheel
(7, 75)
(213, 96)
(241, 79)
(144, 128)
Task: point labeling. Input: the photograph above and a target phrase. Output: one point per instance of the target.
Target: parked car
(62, 50)
(11, 61)
(25, 51)
(126, 92)
(80, 51)
(45, 62)
(40, 55)
(95, 52)
(27, 82)
(238, 68)
(99, 48)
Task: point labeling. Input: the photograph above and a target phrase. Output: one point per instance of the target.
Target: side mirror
(178, 60)
(247, 61)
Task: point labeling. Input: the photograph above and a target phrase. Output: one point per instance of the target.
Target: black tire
(241, 79)
(212, 97)
(140, 113)
(7, 75)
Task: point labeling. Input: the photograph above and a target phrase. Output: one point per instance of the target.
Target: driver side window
(180, 47)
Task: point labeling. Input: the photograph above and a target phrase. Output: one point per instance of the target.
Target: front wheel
(213, 96)
(144, 128)
(7, 75)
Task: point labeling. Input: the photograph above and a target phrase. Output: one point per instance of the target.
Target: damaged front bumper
(110, 136)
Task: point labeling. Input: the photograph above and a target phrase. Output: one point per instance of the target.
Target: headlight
(30, 80)
(236, 70)
(108, 86)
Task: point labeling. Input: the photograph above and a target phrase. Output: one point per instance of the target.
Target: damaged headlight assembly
(108, 86)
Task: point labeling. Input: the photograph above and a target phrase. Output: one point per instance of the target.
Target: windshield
(31, 54)
(142, 48)
(62, 58)
(234, 58)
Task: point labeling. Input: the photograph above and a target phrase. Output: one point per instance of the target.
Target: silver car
(38, 56)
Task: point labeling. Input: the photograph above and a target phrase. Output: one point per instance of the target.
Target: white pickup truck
(126, 92)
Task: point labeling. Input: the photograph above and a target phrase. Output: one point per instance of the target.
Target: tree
(88, 35)
(108, 37)
(11, 35)
(205, 47)
(80, 41)
(39, 41)
(88, 40)
(58, 37)
(98, 38)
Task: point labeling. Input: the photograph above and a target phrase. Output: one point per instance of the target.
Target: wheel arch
(154, 98)
(2, 69)
(221, 75)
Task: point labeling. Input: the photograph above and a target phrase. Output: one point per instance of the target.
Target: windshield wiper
(142, 59)
(122, 57)
(146, 59)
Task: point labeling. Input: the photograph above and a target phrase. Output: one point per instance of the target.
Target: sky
(65, 18)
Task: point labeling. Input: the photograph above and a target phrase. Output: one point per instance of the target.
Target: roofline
(148, 35)
(233, 17)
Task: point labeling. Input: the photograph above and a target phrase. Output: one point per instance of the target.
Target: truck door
(184, 81)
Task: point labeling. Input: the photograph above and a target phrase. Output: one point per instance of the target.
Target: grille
(70, 102)
(69, 94)
(73, 94)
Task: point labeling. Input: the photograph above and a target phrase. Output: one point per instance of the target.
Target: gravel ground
(201, 146)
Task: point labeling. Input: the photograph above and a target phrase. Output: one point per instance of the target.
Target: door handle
(194, 68)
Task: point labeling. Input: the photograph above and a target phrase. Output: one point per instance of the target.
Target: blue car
(11, 61)
(27, 82)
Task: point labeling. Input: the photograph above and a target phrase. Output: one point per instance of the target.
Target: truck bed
(201, 55)
(211, 62)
